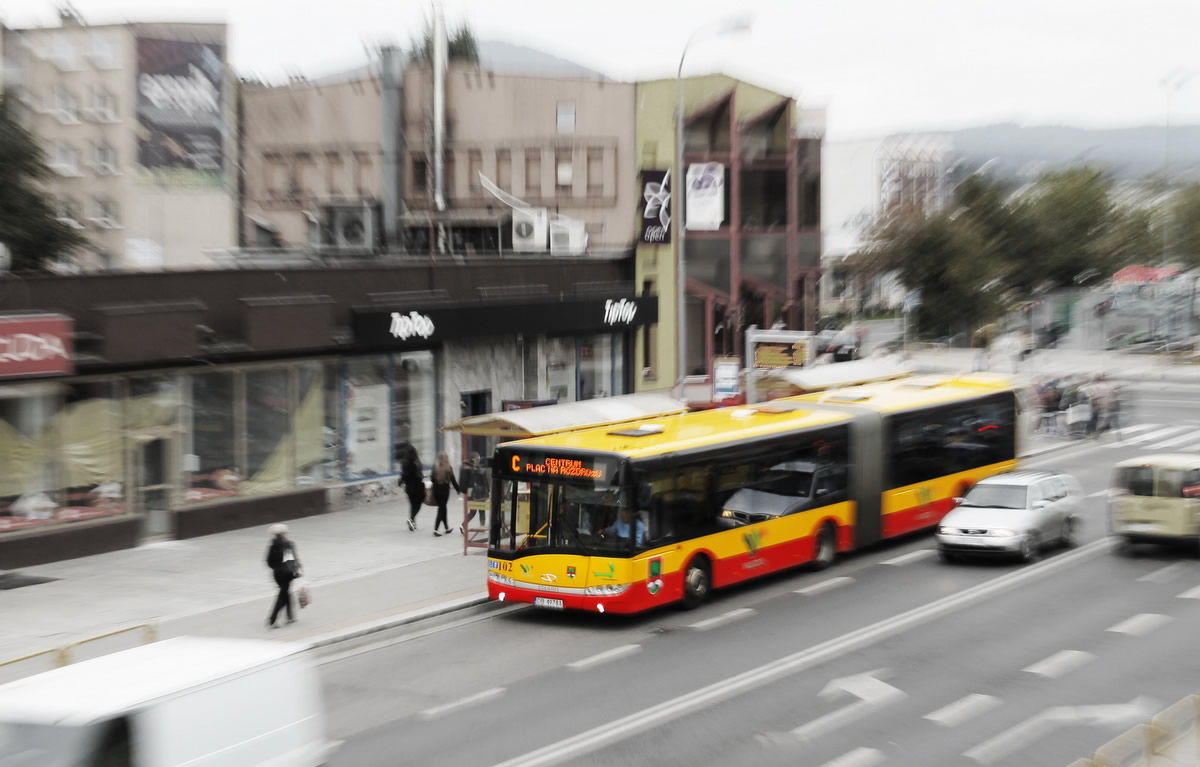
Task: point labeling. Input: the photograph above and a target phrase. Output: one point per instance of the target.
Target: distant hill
(1020, 152)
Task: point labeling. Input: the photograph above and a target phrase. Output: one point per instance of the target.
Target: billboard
(36, 345)
(705, 196)
(656, 207)
(180, 110)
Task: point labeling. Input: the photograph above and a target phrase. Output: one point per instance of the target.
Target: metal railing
(65, 655)
(1172, 737)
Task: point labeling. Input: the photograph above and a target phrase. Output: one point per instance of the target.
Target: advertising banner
(656, 207)
(180, 103)
(705, 202)
(726, 385)
(36, 345)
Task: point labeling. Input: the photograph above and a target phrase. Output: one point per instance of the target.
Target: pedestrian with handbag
(413, 479)
(285, 568)
(443, 477)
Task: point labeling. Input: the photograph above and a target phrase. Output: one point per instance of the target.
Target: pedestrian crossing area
(1183, 438)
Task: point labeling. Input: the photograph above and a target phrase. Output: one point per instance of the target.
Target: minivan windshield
(996, 497)
(43, 745)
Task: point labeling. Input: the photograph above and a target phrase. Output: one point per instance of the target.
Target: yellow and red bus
(630, 517)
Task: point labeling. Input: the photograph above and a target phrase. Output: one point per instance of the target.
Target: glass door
(153, 466)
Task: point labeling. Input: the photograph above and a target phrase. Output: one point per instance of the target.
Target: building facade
(753, 240)
(176, 404)
(138, 125)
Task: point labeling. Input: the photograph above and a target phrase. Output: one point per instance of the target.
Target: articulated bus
(629, 517)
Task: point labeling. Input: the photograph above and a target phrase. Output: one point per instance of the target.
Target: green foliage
(1183, 227)
(29, 224)
(462, 46)
(993, 249)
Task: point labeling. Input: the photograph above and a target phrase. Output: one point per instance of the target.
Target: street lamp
(729, 26)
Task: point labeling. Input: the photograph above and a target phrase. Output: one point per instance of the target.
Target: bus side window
(831, 485)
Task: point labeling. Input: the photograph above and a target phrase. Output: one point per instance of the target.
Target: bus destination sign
(530, 466)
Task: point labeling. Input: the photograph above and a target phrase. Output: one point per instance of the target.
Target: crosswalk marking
(1189, 435)
(1150, 437)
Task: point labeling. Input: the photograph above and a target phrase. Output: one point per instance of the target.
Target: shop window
(268, 432)
(212, 460)
(91, 454)
(28, 488)
(153, 401)
(601, 366)
(560, 369)
(315, 419)
(416, 404)
(367, 430)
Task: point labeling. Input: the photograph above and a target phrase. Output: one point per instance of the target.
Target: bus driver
(624, 527)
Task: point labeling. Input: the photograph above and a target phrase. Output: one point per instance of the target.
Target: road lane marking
(1193, 593)
(1140, 624)
(458, 705)
(823, 586)
(1135, 429)
(1148, 437)
(654, 716)
(721, 620)
(1060, 663)
(859, 757)
(1164, 574)
(1041, 725)
(963, 710)
(1188, 436)
(911, 556)
(605, 657)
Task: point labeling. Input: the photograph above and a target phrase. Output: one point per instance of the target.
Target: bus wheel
(697, 582)
(826, 547)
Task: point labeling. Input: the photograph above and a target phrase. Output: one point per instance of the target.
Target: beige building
(317, 165)
(134, 122)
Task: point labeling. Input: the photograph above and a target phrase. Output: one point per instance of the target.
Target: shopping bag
(303, 597)
(429, 497)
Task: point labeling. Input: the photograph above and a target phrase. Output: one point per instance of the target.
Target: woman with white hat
(285, 567)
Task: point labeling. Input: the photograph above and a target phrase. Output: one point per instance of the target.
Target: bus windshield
(546, 517)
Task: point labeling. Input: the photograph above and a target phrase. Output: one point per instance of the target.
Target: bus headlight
(503, 580)
(606, 590)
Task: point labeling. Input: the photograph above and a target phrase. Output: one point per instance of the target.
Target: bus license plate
(553, 604)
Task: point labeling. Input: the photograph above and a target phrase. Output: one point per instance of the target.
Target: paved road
(989, 663)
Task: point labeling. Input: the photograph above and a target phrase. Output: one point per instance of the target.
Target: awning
(834, 375)
(570, 416)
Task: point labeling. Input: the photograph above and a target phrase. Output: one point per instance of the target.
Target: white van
(185, 701)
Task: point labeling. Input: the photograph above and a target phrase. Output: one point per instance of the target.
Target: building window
(595, 172)
(474, 168)
(268, 432)
(212, 461)
(66, 57)
(367, 409)
(106, 213)
(68, 211)
(104, 105)
(420, 175)
(566, 117)
(104, 159)
(333, 173)
(65, 160)
(316, 424)
(601, 366)
(564, 173)
(66, 106)
(810, 201)
(504, 169)
(533, 173)
(103, 51)
(415, 405)
(648, 332)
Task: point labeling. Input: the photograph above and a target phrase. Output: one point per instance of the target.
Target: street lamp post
(729, 26)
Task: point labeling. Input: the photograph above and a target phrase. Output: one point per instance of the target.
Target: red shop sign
(35, 345)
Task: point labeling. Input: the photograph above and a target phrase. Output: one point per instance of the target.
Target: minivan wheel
(1030, 548)
(1067, 539)
(825, 548)
(697, 583)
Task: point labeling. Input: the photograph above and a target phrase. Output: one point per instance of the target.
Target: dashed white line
(1193, 593)
(1164, 574)
(963, 710)
(1060, 663)
(721, 620)
(470, 700)
(825, 585)
(1140, 624)
(859, 757)
(605, 657)
(911, 556)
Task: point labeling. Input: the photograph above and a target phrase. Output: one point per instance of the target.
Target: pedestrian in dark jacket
(443, 477)
(413, 479)
(285, 568)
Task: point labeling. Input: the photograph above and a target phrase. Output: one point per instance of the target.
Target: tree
(29, 224)
(462, 47)
(1183, 231)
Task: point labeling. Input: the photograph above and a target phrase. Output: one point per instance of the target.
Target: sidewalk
(362, 566)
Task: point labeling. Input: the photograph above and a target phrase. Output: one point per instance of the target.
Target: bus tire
(697, 582)
(824, 547)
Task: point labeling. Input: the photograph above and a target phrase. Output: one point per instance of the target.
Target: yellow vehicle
(626, 518)
(1156, 498)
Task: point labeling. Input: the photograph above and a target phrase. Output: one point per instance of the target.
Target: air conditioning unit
(352, 227)
(530, 228)
(568, 238)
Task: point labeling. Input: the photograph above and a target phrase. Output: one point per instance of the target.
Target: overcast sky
(876, 65)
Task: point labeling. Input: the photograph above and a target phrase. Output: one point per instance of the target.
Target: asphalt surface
(888, 657)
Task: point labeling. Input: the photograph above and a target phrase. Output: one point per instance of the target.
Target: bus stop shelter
(526, 423)
(791, 382)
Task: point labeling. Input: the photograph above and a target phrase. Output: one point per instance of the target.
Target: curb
(383, 624)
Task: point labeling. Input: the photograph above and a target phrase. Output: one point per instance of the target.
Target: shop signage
(705, 196)
(406, 326)
(725, 378)
(656, 210)
(524, 464)
(619, 312)
(35, 345)
(391, 328)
